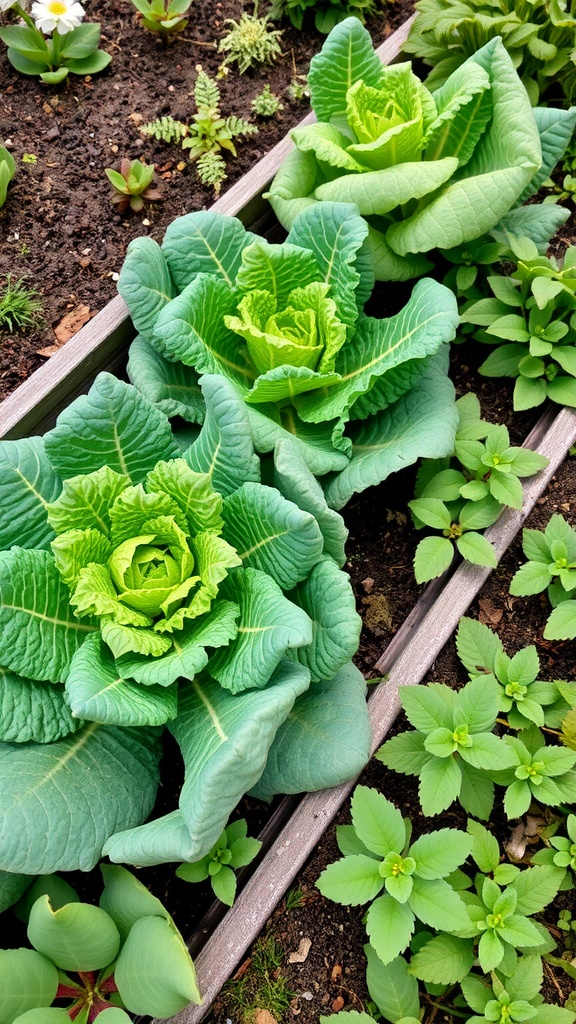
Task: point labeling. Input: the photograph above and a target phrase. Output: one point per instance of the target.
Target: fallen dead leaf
(264, 1017)
(69, 324)
(299, 956)
(489, 612)
(525, 834)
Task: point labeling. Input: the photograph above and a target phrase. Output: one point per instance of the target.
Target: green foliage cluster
(207, 134)
(7, 172)
(538, 35)
(148, 581)
(132, 185)
(417, 161)
(465, 493)
(163, 17)
(284, 323)
(531, 317)
(551, 566)
(125, 954)
(234, 849)
(20, 307)
(327, 13)
(266, 103)
(250, 41)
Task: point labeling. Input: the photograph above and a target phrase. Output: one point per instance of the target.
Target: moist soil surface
(58, 228)
(60, 232)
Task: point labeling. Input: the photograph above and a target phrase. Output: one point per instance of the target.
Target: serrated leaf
(439, 853)
(440, 782)
(392, 988)
(535, 887)
(389, 925)
(378, 823)
(561, 623)
(432, 557)
(485, 848)
(444, 960)
(476, 549)
(477, 646)
(352, 881)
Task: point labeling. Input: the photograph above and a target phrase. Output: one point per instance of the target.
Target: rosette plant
(359, 396)
(428, 169)
(150, 583)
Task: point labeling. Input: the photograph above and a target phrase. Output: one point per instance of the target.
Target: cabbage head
(361, 396)
(427, 169)
(151, 580)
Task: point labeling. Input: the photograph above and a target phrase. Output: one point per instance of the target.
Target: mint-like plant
(418, 162)
(541, 772)
(531, 317)
(234, 849)
(147, 583)
(284, 323)
(551, 566)
(125, 954)
(524, 698)
(539, 36)
(465, 493)
(514, 999)
(452, 749)
(378, 856)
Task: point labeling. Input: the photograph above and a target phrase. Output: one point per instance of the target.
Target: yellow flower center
(57, 7)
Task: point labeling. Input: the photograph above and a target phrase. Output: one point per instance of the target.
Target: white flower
(5, 5)
(57, 15)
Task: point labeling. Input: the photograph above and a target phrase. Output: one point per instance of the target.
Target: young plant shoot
(52, 41)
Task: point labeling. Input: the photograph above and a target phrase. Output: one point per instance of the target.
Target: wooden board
(406, 661)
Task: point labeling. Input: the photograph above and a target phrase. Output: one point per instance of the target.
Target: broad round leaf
(27, 980)
(77, 937)
(154, 972)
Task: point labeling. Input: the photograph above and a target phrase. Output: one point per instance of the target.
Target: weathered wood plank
(406, 661)
(101, 343)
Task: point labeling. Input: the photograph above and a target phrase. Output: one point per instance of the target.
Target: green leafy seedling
(377, 856)
(524, 698)
(234, 849)
(541, 772)
(163, 17)
(531, 317)
(327, 13)
(551, 566)
(20, 307)
(7, 172)
(250, 42)
(266, 103)
(453, 748)
(512, 1000)
(132, 185)
(561, 852)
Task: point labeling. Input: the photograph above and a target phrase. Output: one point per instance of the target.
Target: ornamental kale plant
(72, 47)
(453, 749)
(124, 954)
(284, 323)
(234, 849)
(531, 318)
(149, 583)
(467, 492)
(538, 35)
(551, 566)
(427, 169)
(378, 856)
(523, 698)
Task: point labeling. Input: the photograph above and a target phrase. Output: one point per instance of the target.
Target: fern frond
(206, 92)
(165, 129)
(211, 170)
(236, 126)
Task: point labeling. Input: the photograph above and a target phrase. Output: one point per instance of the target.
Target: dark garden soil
(58, 228)
(59, 231)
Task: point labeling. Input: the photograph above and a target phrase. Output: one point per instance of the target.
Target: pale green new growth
(234, 849)
(514, 999)
(551, 566)
(266, 103)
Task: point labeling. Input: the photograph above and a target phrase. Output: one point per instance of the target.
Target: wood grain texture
(100, 344)
(406, 661)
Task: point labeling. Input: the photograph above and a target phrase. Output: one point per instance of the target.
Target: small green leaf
(353, 880)
(476, 549)
(432, 557)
